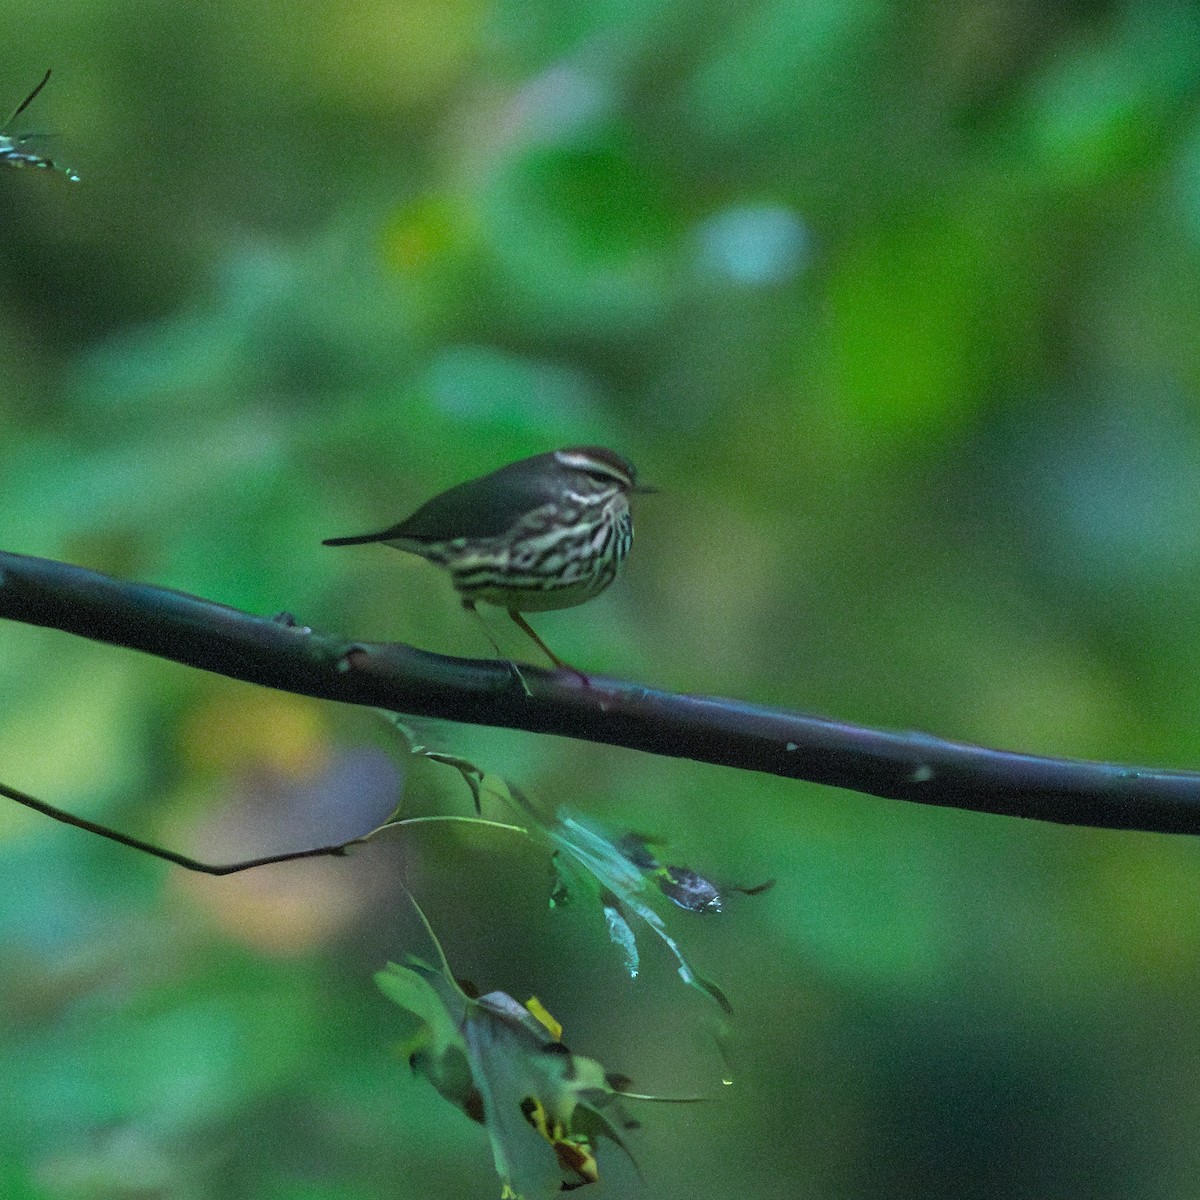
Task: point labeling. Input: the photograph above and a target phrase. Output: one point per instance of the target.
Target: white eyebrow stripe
(584, 462)
(579, 461)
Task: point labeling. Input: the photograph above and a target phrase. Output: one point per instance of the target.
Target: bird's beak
(644, 489)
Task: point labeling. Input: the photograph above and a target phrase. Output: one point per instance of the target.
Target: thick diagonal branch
(277, 653)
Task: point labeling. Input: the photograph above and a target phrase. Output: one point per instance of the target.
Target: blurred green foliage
(897, 305)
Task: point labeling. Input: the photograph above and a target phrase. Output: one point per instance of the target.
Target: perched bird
(545, 532)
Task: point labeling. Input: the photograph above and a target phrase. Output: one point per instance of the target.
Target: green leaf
(434, 1032)
(433, 1042)
(503, 1064)
(616, 873)
(621, 934)
(589, 861)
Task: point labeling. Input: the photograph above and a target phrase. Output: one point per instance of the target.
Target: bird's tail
(359, 540)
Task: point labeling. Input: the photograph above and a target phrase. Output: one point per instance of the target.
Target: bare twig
(336, 849)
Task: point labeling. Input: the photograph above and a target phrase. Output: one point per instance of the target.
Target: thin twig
(194, 864)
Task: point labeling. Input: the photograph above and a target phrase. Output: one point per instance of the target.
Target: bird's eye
(602, 477)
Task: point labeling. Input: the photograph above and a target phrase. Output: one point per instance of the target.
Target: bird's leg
(558, 662)
(469, 605)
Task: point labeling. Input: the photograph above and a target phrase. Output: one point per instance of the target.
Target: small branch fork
(278, 653)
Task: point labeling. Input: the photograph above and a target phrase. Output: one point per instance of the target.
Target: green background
(897, 305)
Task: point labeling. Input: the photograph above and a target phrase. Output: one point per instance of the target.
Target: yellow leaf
(544, 1017)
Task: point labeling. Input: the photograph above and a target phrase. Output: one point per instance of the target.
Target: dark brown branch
(902, 766)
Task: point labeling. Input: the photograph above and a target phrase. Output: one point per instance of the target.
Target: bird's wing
(483, 507)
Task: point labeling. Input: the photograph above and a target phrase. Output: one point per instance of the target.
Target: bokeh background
(896, 303)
